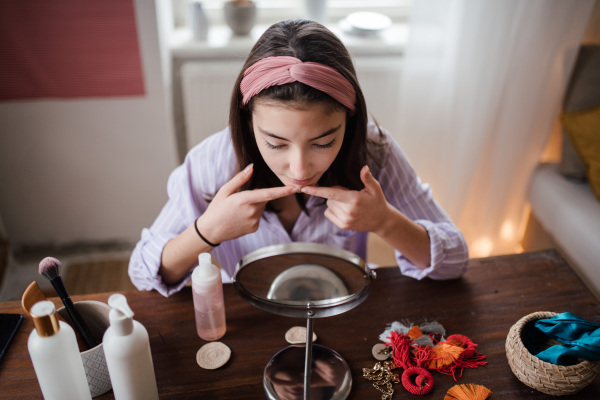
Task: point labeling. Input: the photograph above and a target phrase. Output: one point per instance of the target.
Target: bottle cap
(44, 318)
(121, 315)
(205, 273)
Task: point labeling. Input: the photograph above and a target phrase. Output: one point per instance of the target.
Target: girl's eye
(325, 146)
(274, 147)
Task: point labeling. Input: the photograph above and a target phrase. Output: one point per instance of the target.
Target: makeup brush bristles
(50, 267)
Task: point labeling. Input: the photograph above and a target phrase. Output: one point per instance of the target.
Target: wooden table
(483, 305)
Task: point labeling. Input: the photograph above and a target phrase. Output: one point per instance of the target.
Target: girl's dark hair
(307, 41)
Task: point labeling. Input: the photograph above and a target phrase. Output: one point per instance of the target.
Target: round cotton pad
(297, 335)
(213, 355)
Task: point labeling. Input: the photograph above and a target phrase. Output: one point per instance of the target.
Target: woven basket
(552, 379)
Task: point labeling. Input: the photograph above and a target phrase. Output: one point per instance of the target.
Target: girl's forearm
(408, 237)
(180, 254)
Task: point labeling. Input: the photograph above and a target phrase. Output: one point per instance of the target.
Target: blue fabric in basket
(580, 339)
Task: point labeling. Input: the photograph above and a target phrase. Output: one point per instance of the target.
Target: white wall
(89, 170)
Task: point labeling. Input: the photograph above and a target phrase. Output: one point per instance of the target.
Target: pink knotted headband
(271, 71)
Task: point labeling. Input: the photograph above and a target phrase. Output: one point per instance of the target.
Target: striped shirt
(212, 163)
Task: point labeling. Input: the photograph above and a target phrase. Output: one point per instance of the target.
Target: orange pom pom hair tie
(468, 392)
(469, 358)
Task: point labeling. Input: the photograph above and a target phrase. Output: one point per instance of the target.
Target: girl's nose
(299, 165)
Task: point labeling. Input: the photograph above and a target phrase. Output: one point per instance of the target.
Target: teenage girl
(299, 162)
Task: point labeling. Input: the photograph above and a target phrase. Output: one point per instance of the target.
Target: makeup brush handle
(79, 323)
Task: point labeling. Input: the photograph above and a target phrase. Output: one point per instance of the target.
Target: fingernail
(248, 168)
(368, 169)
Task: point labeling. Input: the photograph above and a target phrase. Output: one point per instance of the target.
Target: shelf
(222, 44)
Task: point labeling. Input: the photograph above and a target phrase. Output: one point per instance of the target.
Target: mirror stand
(326, 374)
(308, 357)
(304, 280)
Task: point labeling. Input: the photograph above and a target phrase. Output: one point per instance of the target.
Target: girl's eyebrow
(327, 133)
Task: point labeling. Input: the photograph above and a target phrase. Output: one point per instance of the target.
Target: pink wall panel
(69, 49)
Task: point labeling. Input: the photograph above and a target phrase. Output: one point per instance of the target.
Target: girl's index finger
(329, 193)
(237, 181)
(265, 195)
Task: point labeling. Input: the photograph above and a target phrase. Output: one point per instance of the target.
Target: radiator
(207, 87)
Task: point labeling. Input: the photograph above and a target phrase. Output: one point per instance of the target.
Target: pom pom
(468, 392)
(433, 327)
(401, 349)
(396, 326)
(470, 358)
(444, 354)
(414, 333)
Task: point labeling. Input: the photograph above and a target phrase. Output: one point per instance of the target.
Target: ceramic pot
(316, 10)
(240, 16)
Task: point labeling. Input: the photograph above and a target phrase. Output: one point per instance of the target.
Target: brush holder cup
(95, 315)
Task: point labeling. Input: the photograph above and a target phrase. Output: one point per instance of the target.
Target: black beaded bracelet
(202, 237)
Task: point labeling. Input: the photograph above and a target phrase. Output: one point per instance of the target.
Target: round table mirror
(304, 280)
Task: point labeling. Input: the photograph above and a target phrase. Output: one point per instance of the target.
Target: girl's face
(298, 142)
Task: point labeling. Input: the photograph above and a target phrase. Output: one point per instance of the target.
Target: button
(381, 352)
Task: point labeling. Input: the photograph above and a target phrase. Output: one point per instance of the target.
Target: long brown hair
(307, 41)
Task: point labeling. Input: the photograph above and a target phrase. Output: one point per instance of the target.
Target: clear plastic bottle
(55, 356)
(209, 306)
(128, 355)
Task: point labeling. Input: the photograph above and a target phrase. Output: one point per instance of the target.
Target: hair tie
(202, 237)
(279, 70)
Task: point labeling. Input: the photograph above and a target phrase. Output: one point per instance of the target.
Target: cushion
(582, 94)
(570, 213)
(583, 129)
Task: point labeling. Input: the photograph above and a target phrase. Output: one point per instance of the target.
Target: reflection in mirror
(296, 278)
(305, 283)
(330, 375)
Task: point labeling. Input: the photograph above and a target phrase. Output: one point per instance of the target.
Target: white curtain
(482, 87)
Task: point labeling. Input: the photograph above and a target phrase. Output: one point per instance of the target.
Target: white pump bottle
(55, 356)
(209, 306)
(128, 355)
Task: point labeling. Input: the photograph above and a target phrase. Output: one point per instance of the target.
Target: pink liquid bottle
(207, 289)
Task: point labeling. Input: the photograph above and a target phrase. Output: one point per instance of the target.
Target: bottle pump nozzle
(121, 315)
(205, 273)
(205, 264)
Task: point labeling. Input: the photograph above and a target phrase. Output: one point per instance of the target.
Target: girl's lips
(301, 182)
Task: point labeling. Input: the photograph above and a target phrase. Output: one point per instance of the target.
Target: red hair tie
(423, 382)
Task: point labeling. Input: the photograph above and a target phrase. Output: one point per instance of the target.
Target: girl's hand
(232, 214)
(364, 210)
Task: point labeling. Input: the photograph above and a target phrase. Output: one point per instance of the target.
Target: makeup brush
(33, 294)
(50, 268)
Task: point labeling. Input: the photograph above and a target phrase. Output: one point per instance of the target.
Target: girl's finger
(258, 196)
(236, 182)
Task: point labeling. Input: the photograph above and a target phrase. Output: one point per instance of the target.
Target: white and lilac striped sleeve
(185, 188)
(405, 191)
